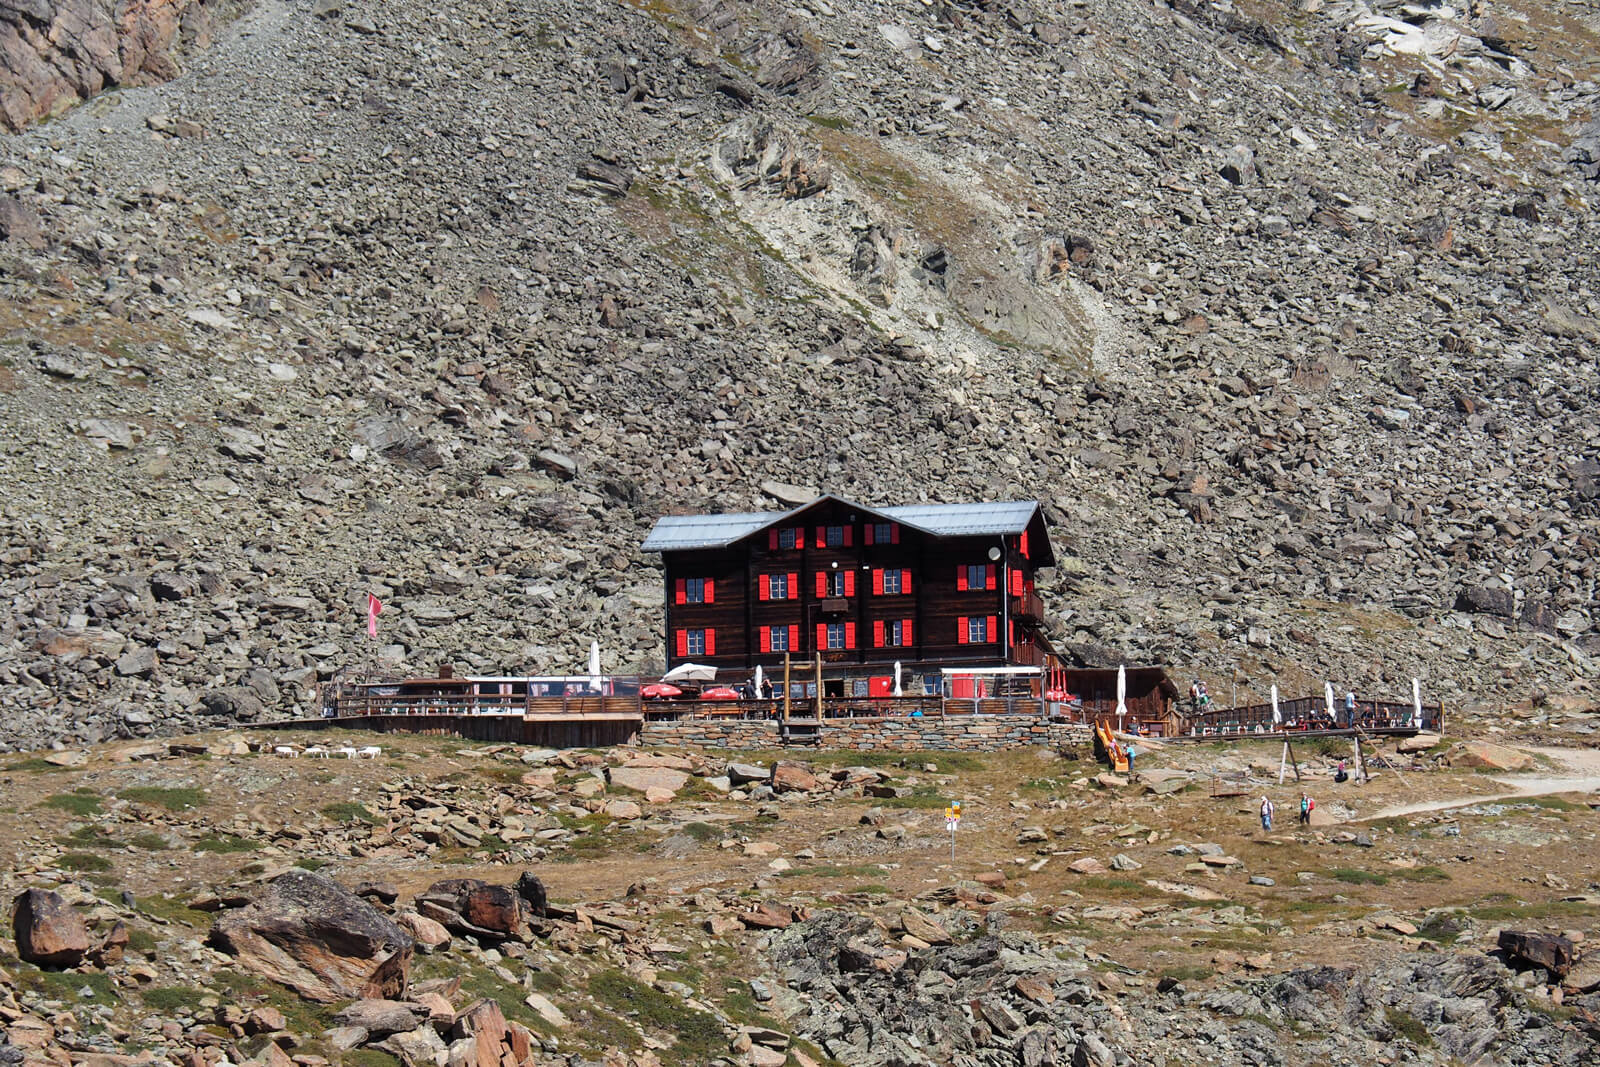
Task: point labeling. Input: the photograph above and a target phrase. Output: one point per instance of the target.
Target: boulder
(530, 887)
(382, 1017)
(475, 907)
(311, 934)
(428, 933)
(1525, 949)
(923, 928)
(1490, 755)
(740, 773)
(788, 777)
(644, 779)
(47, 929)
(1418, 743)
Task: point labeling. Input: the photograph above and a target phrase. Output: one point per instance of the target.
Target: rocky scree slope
(1287, 315)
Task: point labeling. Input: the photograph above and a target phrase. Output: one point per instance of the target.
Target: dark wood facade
(864, 587)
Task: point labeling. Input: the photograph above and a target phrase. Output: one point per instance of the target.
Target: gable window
(778, 586)
(975, 576)
(891, 582)
(835, 636)
(790, 537)
(832, 536)
(891, 633)
(883, 533)
(694, 591)
(695, 642)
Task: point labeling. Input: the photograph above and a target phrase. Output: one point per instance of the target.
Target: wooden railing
(362, 701)
(1310, 713)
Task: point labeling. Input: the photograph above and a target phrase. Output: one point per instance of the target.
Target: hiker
(1131, 753)
(1340, 775)
(1350, 707)
(1266, 813)
(1307, 806)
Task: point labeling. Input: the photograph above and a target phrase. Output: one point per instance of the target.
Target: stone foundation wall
(963, 733)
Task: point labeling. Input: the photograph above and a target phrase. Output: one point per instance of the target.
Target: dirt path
(1584, 765)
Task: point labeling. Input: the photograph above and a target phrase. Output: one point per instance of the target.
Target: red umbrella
(660, 691)
(720, 692)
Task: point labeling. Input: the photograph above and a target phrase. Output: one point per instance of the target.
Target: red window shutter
(711, 642)
(772, 540)
(894, 534)
(822, 585)
(799, 537)
(847, 530)
(961, 629)
(988, 577)
(849, 635)
(991, 630)
(764, 587)
(877, 631)
(905, 583)
(766, 639)
(905, 632)
(849, 582)
(1022, 544)
(877, 580)
(1016, 583)
(794, 638)
(681, 642)
(680, 591)
(869, 534)
(822, 637)
(961, 579)
(794, 586)
(822, 536)
(711, 591)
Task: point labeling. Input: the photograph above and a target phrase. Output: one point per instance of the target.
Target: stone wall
(972, 733)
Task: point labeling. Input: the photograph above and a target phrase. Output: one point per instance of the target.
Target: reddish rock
(55, 53)
(48, 932)
(472, 906)
(767, 917)
(790, 777)
(644, 779)
(311, 934)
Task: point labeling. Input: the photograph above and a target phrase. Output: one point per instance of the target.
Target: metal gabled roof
(680, 532)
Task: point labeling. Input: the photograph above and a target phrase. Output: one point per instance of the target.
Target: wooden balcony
(1028, 608)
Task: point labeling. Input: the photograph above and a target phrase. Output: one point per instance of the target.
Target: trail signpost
(952, 819)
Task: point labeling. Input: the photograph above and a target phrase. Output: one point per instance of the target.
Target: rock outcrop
(47, 929)
(311, 934)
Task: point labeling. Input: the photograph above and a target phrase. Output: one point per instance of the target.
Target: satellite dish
(994, 553)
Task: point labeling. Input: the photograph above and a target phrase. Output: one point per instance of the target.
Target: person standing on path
(1131, 753)
(1307, 806)
(1266, 813)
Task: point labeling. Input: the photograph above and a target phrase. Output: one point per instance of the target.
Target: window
(883, 533)
(836, 584)
(695, 642)
(832, 536)
(779, 638)
(976, 629)
(891, 583)
(975, 576)
(834, 636)
(891, 633)
(790, 537)
(778, 586)
(694, 591)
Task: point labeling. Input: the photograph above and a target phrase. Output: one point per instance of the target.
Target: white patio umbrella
(594, 665)
(1328, 692)
(1122, 693)
(690, 672)
(1416, 703)
(1277, 716)
(756, 681)
(897, 690)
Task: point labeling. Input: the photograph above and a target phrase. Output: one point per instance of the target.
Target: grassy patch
(1195, 972)
(829, 122)
(1354, 876)
(369, 1057)
(81, 802)
(225, 843)
(83, 861)
(150, 841)
(64, 985)
(171, 799)
(922, 797)
(1422, 874)
(1522, 910)
(34, 764)
(699, 1035)
(703, 832)
(172, 999)
(348, 812)
(310, 863)
(1408, 1027)
(173, 910)
(141, 941)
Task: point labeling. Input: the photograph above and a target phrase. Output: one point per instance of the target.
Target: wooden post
(819, 689)
(784, 712)
(1288, 748)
